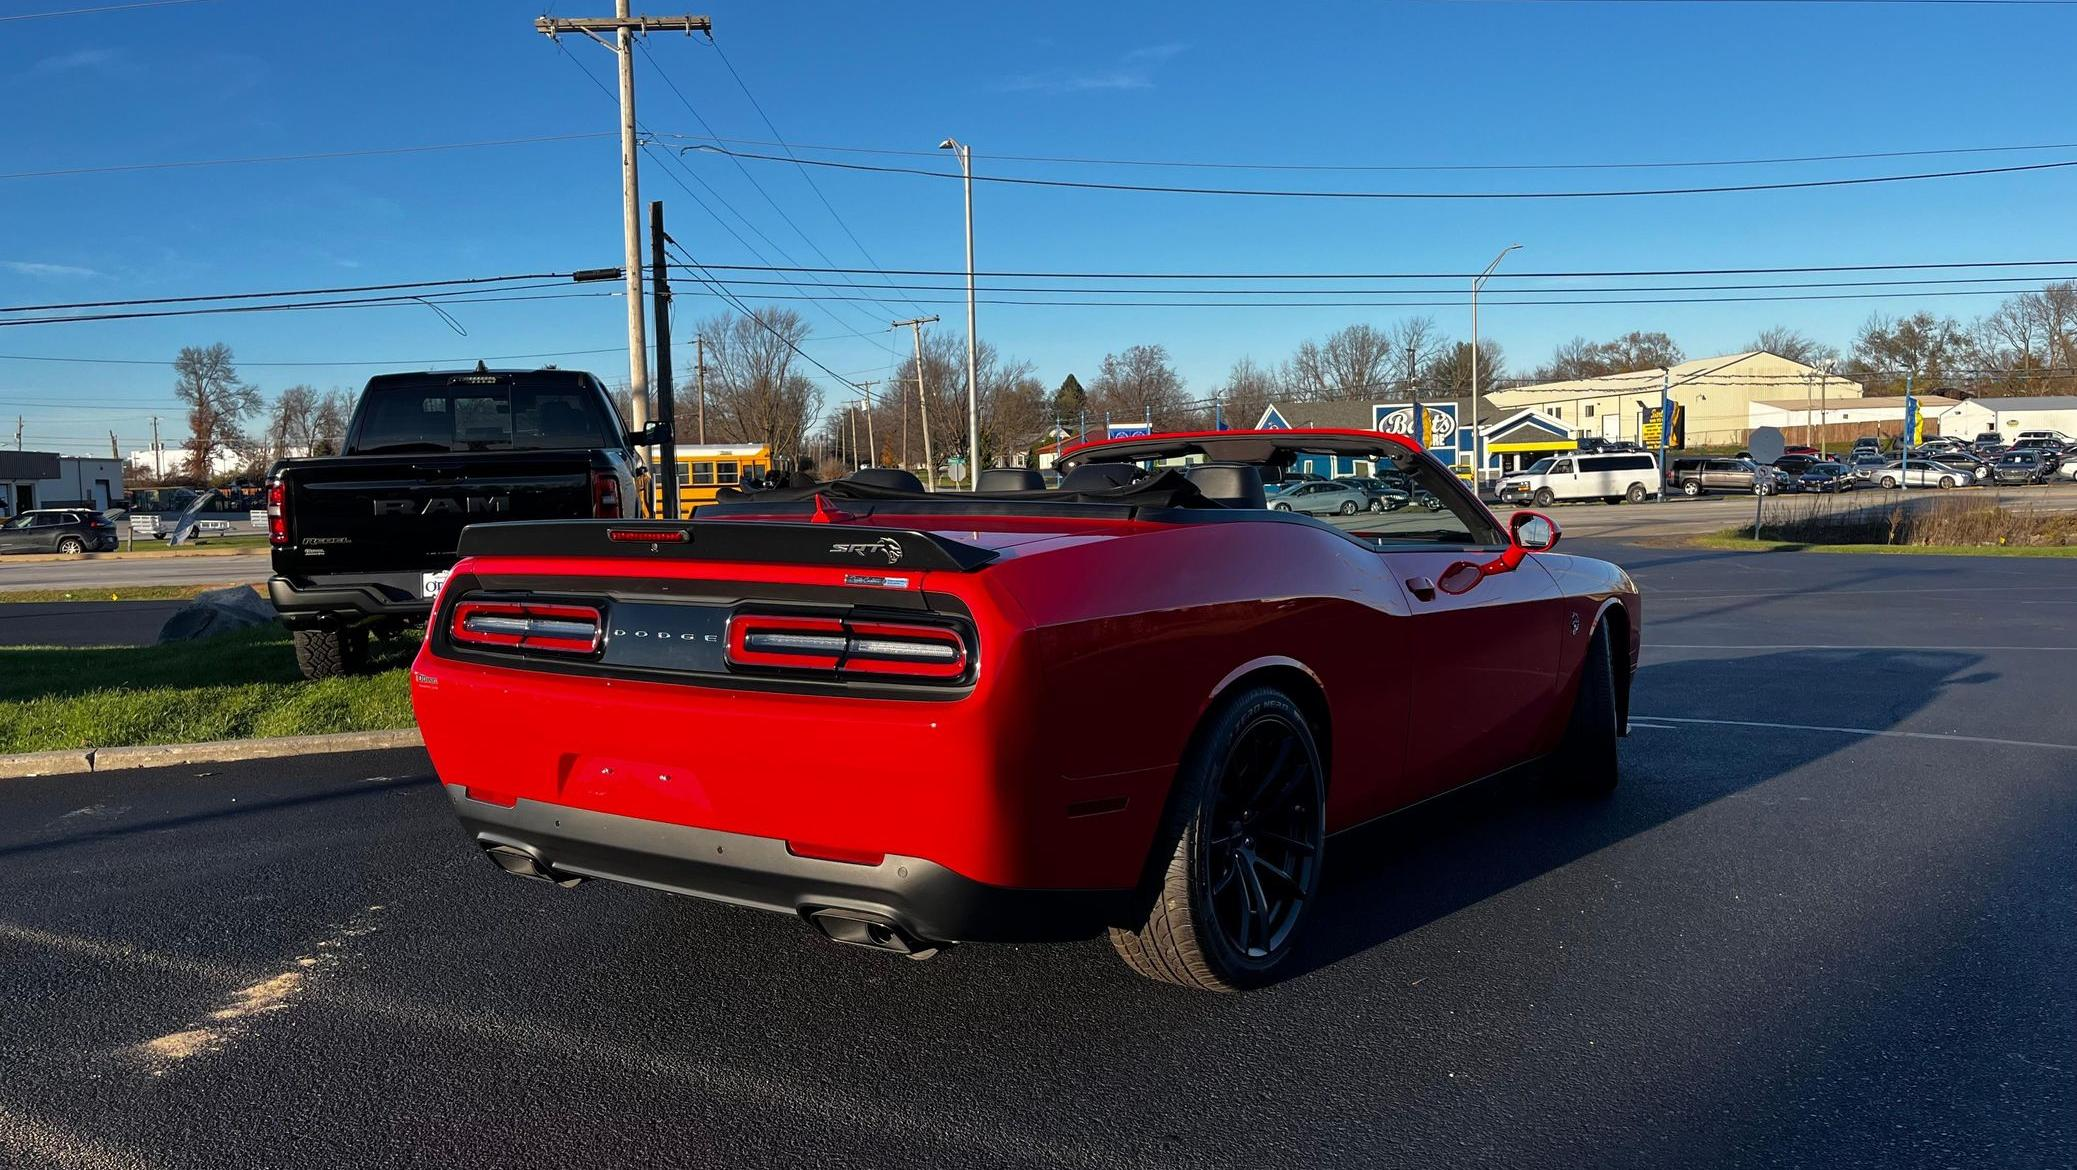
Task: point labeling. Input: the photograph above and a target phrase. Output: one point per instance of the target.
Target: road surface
(1825, 921)
(114, 572)
(84, 623)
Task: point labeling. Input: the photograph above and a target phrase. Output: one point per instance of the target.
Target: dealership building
(2009, 416)
(1713, 396)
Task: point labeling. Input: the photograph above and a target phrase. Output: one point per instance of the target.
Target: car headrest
(1236, 485)
(886, 477)
(1011, 479)
(1096, 477)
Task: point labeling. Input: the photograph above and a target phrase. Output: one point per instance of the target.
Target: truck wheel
(1692, 487)
(330, 653)
(1543, 497)
(1636, 493)
(1239, 853)
(1585, 763)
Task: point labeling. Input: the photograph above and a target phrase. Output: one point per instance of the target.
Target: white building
(1713, 393)
(1841, 421)
(2009, 416)
(43, 479)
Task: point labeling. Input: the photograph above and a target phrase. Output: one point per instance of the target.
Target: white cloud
(1134, 70)
(32, 268)
(75, 60)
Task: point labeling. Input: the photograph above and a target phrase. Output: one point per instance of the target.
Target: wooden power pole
(624, 29)
(930, 468)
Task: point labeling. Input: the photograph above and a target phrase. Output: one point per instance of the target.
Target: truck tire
(1543, 498)
(1236, 865)
(330, 653)
(1586, 762)
(1692, 487)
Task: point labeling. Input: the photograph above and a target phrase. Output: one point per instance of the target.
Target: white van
(1613, 477)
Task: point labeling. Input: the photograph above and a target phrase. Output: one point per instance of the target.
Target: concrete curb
(28, 764)
(153, 554)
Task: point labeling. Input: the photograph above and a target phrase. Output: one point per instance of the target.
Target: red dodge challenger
(1141, 702)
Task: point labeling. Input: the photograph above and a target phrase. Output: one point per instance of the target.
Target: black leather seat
(1011, 479)
(886, 477)
(1099, 477)
(1236, 485)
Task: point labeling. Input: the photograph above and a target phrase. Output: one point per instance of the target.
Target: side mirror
(1533, 531)
(650, 435)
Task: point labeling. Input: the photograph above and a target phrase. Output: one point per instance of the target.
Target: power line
(1401, 168)
(293, 292)
(761, 322)
(101, 8)
(1057, 275)
(806, 175)
(1554, 304)
(737, 281)
(343, 303)
(1256, 192)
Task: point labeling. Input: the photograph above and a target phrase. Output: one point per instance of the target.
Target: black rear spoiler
(760, 541)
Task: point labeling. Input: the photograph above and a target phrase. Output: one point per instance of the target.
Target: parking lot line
(1651, 720)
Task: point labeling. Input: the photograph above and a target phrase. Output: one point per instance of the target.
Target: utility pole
(666, 393)
(930, 467)
(158, 453)
(112, 453)
(872, 446)
(624, 29)
(973, 380)
(699, 350)
(1478, 462)
(17, 432)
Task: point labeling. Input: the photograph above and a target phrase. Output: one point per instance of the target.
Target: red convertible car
(1141, 702)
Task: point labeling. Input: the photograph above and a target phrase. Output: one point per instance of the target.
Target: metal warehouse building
(1716, 394)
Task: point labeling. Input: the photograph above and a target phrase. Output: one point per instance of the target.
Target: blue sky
(1375, 83)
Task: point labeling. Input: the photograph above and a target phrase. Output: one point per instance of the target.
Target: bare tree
(756, 390)
(2027, 341)
(1793, 344)
(1927, 348)
(1139, 383)
(1633, 351)
(1248, 390)
(292, 424)
(1353, 361)
(328, 422)
(206, 379)
(1450, 371)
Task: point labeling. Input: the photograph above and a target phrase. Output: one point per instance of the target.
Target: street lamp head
(949, 144)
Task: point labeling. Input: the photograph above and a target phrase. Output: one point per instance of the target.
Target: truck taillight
(891, 649)
(527, 625)
(605, 495)
(277, 513)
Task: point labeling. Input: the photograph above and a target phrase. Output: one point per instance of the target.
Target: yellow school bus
(705, 468)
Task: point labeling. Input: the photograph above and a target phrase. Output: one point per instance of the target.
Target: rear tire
(1543, 498)
(330, 653)
(1242, 862)
(1691, 488)
(1636, 493)
(1586, 762)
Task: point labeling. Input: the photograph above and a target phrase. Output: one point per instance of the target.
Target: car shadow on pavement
(1428, 862)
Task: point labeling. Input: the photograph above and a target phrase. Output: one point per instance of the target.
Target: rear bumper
(925, 899)
(315, 600)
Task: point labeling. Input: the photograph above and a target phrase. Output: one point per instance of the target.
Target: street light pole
(930, 468)
(973, 390)
(872, 446)
(1478, 460)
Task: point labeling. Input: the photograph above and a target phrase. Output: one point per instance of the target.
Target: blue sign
(1129, 430)
(1271, 421)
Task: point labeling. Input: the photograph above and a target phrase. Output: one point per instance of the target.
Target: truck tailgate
(408, 512)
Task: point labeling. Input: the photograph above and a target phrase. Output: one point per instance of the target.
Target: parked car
(1801, 451)
(1987, 439)
(1701, 476)
(1960, 458)
(1863, 463)
(1825, 477)
(1320, 497)
(1797, 464)
(1611, 477)
(2058, 436)
(2052, 451)
(2021, 467)
(362, 540)
(1917, 474)
(1867, 443)
(58, 530)
(1383, 496)
(1194, 833)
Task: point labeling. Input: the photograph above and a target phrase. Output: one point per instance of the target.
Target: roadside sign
(1766, 444)
(1128, 430)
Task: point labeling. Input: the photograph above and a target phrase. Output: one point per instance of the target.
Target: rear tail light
(277, 513)
(897, 650)
(527, 625)
(605, 495)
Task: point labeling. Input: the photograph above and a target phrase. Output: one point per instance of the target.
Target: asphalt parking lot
(1825, 921)
(84, 623)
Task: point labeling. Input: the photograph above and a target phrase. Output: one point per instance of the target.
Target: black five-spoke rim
(1263, 838)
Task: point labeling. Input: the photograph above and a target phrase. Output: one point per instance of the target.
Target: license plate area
(429, 583)
(667, 636)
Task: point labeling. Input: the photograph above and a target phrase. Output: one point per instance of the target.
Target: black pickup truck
(363, 540)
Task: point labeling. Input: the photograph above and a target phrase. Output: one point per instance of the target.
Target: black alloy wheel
(1263, 849)
(1238, 861)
